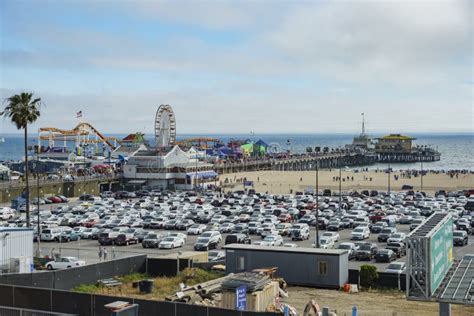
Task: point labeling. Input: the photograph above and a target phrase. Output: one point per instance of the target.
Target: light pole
(317, 204)
(421, 176)
(38, 250)
(340, 188)
(389, 173)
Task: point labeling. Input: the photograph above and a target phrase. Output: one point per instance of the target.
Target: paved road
(88, 249)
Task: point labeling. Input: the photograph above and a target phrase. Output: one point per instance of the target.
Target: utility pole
(317, 204)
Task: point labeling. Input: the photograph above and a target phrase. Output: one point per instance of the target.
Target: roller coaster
(83, 133)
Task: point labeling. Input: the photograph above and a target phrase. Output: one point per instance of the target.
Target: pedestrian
(52, 254)
(105, 254)
(100, 253)
(113, 252)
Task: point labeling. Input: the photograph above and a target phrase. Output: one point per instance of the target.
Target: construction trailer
(325, 268)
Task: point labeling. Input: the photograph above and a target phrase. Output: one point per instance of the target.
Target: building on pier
(399, 148)
(361, 141)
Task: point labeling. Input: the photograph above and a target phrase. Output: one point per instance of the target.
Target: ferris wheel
(165, 126)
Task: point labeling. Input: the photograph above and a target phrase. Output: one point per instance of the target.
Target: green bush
(368, 275)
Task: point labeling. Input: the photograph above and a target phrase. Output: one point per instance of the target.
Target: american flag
(79, 114)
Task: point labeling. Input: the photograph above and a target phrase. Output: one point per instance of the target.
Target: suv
(206, 243)
(237, 239)
(386, 233)
(398, 248)
(106, 239)
(299, 232)
(460, 238)
(366, 251)
(126, 239)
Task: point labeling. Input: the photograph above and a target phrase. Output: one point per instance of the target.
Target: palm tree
(22, 110)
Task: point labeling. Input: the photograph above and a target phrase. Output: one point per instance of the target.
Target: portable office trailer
(16, 253)
(327, 268)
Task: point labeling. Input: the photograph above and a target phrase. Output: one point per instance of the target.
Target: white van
(7, 213)
(50, 234)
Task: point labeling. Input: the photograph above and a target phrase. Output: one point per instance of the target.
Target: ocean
(457, 150)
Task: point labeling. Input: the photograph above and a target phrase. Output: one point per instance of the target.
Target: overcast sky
(241, 66)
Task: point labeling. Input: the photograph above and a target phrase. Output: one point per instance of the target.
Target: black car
(125, 240)
(106, 239)
(385, 255)
(184, 224)
(205, 244)
(366, 251)
(460, 238)
(378, 227)
(151, 241)
(385, 234)
(142, 193)
(398, 248)
(335, 226)
(86, 197)
(237, 239)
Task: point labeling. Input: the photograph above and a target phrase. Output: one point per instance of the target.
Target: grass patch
(163, 286)
(87, 288)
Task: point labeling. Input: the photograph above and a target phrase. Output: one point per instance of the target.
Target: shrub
(368, 275)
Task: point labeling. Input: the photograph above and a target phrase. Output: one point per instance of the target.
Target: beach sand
(281, 182)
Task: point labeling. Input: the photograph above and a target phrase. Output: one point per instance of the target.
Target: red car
(54, 199)
(91, 222)
(285, 218)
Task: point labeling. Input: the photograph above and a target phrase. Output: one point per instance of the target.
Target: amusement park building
(169, 170)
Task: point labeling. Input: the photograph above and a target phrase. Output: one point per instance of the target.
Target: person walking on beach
(100, 253)
(105, 254)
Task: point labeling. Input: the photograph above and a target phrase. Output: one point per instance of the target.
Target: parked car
(273, 240)
(350, 247)
(386, 233)
(326, 243)
(237, 239)
(126, 239)
(216, 255)
(196, 229)
(171, 242)
(69, 235)
(398, 248)
(397, 237)
(366, 251)
(64, 263)
(460, 238)
(151, 240)
(360, 233)
(205, 244)
(396, 267)
(385, 255)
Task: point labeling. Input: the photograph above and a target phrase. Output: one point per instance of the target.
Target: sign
(241, 298)
(441, 246)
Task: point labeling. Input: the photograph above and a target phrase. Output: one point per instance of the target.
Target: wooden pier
(299, 163)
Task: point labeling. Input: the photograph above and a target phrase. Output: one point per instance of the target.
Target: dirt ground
(368, 303)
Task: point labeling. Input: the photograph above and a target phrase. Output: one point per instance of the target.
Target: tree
(22, 110)
(368, 275)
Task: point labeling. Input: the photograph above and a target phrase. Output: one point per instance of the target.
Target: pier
(299, 162)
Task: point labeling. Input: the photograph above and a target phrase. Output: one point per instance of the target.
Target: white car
(196, 229)
(216, 255)
(396, 267)
(360, 233)
(273, 240)
(171, 242)
(332, 235)
(65, 263)
(326, 243)
(397, 237)
(290, 245)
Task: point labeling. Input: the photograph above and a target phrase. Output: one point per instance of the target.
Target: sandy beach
(283, 182)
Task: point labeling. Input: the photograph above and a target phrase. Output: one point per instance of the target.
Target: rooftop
(460, 287)
(396, 137)
(286, 249)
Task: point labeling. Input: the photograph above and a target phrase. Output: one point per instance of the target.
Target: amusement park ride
(83, 135)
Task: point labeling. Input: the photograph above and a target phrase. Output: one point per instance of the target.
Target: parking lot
(183, 206)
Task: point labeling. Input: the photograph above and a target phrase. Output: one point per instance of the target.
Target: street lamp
(340, 187)
(38, 250)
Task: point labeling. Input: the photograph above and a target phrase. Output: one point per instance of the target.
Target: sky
(243, 66)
